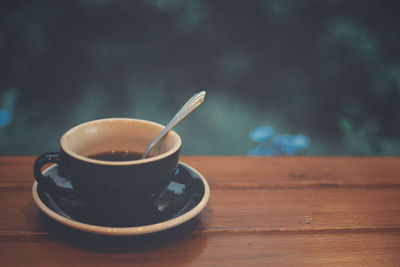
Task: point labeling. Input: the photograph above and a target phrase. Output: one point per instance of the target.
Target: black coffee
(116, 156)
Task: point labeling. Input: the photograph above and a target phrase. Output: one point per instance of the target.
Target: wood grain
(329, 211)
(208, 249)
(298, 171)
(255, 209)
(261, 171)
(16, 170)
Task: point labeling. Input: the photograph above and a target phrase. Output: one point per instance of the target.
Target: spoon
(190, 105)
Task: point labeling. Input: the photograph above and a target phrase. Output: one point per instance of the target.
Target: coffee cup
(106, 183)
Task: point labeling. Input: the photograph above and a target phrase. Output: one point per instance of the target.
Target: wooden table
(262, 210)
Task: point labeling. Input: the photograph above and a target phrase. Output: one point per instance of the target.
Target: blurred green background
(328, 71)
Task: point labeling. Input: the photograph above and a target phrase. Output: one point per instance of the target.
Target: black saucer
(182, 197)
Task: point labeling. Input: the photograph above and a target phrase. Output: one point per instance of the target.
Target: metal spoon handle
(190, 105)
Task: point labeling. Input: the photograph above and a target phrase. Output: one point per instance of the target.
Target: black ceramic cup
(111, 185)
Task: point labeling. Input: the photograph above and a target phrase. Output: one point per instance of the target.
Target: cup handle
(46, 181)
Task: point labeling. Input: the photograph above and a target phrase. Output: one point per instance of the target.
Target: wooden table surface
(297, 211)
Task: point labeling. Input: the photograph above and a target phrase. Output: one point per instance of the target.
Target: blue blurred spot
(301, 141)
(5, 117)
(262, 150)
(290, 144)
(261, 134)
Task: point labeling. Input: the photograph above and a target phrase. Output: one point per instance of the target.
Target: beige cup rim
(63, 142)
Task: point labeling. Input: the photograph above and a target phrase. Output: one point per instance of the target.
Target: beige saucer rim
(126, 231)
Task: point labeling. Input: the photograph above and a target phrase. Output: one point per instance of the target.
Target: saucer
(184, 196)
